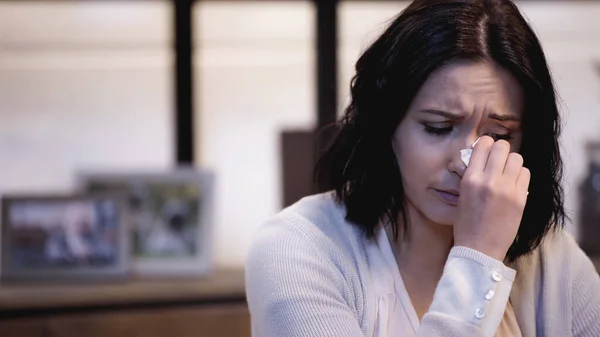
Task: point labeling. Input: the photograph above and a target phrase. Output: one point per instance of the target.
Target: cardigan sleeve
(586, 293)
(471, 296)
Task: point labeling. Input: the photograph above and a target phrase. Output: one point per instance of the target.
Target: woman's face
(456, 105)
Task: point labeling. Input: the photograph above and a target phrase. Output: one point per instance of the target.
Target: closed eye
(442, 131)
(498, 136)
(436, 131)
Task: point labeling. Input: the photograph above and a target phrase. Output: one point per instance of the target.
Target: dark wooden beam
(184, 108)
(327, 73)
(326, 62)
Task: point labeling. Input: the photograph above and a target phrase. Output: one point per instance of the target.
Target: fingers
(496, 160)
(523, 180)
(513, 167)
(498, 157)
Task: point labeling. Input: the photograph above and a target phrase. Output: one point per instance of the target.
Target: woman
(412, 241)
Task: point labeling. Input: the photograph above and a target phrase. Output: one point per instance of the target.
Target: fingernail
(473, 146)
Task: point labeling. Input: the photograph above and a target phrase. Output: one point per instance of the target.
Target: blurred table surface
(222, 286)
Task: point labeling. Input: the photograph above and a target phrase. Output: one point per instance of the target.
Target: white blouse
(396, 316)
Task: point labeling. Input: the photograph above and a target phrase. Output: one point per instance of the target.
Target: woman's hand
(493, 193)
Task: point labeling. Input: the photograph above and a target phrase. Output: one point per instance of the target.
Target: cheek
(418, 159)
(418, 167)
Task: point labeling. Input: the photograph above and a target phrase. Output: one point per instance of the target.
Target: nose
(455, 163)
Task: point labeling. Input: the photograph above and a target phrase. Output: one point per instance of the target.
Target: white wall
(83, 85)
(570, 35)
(255, 78)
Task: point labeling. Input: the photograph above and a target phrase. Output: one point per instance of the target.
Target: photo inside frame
(163, 216)
(63, 234)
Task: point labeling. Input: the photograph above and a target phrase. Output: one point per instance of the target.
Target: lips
(449, 196)
(452, 191)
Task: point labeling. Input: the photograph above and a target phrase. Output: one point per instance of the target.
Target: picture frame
(63, 237)
(170, 218)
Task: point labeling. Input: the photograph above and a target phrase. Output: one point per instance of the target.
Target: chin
(446, 224)
(436, 212)
(442, 217)
(443, 222)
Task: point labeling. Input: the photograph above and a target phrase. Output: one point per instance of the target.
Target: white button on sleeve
(473, 288)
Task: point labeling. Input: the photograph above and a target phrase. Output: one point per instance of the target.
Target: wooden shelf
(222, 285)
(213, 306)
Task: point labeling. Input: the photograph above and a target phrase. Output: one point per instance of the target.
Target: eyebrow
(442, 113)
(454, 117)
(505, 118)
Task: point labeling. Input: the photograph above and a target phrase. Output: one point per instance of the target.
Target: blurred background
(235, 87)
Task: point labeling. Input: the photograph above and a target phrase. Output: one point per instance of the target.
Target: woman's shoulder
(561, 247)
(306, 246)
(558, 284)
(559, 255)
(314, 224)
(306, 262)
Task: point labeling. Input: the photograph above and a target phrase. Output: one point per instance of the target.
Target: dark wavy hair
(360, 164)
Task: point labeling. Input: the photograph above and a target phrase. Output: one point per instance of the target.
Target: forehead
(465, 87)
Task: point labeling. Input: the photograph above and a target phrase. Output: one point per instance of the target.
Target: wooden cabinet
(212, 307)
(216, 321)
(22, 328)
